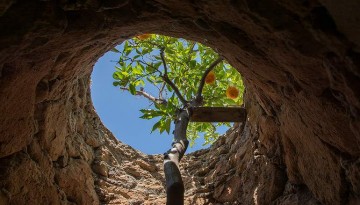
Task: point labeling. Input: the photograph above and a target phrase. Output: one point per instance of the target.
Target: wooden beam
(218, 114)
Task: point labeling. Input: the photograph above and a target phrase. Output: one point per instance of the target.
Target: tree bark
(174, 184)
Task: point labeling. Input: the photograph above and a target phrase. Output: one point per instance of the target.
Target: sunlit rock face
(301, 65)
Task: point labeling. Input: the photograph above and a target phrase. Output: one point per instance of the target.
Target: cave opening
(119, 110)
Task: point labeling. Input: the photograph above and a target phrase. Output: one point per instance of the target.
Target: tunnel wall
(300, 64)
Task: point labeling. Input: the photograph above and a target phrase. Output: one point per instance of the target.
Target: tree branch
(168, 81)
(147, 96)
(163, 60)
(176, 90)
(161, 90)
(198, 98)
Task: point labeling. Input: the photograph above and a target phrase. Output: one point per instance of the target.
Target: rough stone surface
(300, 61)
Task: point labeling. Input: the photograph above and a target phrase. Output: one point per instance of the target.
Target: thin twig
(163, 60)
(161, 90)
(147, 96)
(198, 97)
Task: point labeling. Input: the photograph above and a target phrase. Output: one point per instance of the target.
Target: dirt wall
(300, 64)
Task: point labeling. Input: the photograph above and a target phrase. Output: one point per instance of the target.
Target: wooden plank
(218, 114)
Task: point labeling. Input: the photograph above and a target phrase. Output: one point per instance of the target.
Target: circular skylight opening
(124, 78)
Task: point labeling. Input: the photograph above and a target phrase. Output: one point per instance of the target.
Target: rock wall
(300, 63)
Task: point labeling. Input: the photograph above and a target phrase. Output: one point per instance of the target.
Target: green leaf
(123, 82)
(124, 74)
(132, 89)
(157, 64)
(169, 51)
(192, 63)
(126, 45)
(168, 125)
(137, 70)
(117, 68)
(169, 88)
(149, 114)
(156, 126)
(115, 50)
(162, 127)
(128, 51)
(146, 51)
(140, 82)
(116, 76)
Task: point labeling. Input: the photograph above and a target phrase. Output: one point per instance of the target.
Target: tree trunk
(174, 184)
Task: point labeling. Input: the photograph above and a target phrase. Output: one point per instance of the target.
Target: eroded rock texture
(300, 62)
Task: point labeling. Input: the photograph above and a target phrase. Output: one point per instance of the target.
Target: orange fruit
(143, 36)
(232, 92)
(210, 78)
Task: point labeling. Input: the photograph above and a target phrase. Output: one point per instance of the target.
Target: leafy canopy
(141, 65)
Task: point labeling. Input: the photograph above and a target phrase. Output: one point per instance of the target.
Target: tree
(186, 74)
(141, 65)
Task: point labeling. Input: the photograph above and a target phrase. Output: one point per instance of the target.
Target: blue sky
(119, 111)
